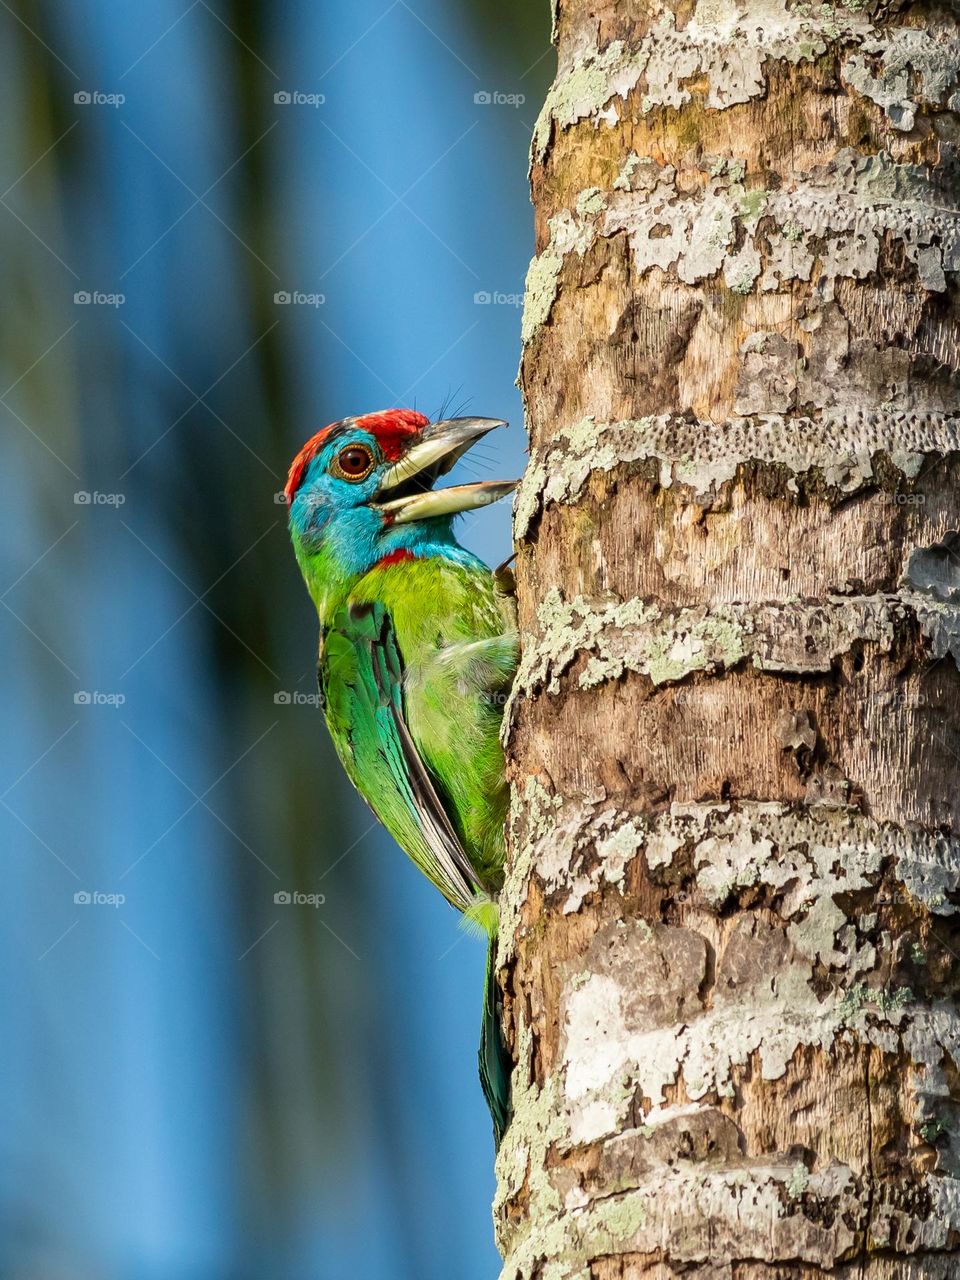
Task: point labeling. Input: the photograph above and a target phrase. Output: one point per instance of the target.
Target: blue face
(343, 477)
(336, 509)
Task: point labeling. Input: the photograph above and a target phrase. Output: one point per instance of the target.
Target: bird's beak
(433, 455)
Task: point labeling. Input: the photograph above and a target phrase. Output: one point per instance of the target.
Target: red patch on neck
(395, 557)
(392, 429)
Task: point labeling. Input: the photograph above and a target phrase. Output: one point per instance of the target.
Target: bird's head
(361, 490)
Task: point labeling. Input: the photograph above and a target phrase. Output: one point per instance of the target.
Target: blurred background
(223, 225)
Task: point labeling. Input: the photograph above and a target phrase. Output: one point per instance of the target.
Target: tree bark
(728, 945)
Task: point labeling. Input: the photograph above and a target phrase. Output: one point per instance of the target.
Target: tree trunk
(728, 943)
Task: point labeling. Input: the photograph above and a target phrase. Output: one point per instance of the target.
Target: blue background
(200, 1082)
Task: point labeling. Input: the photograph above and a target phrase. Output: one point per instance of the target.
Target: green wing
(361, 681)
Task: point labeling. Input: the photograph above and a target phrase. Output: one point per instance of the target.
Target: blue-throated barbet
(418, 647)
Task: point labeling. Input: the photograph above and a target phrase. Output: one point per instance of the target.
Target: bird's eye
(355, 462)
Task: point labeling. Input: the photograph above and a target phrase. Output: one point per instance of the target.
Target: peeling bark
(729, 930)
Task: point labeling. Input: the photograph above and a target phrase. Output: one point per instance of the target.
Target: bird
(418, 650)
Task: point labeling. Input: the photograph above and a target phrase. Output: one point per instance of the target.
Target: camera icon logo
(82, 498)
(82, 899)
(282, 298)
(282, 698)
(82, 98)
(82, 298)
(482, 299)
(482, 98)
(282, 98)
(82, 698)
(282, 898)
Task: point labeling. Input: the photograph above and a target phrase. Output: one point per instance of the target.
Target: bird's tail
(495, 1063)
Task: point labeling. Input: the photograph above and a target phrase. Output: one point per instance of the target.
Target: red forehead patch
(392, 429)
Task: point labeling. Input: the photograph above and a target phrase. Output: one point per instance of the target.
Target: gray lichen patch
(567, 629)
(817, 934)
(768, 374)
(940, 624)
(581, 846)
(799, 856)
(799, 1180)
(532, 817)
(701, 1216)
(568, 234)
(729, 45)
(699, 1209)
(935, 571)
(669, 645)
(931, 579)
(537, 1123)
(905, 69)
(643, 1012)
(634, 1014)
(806, 863)
(831, 221)
(842, 444)
(741, 269)
(634, 1025)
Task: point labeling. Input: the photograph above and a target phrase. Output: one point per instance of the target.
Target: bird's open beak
(439, 447)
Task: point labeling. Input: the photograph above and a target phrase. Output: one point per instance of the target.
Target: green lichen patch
(567, 235)
(590, 201)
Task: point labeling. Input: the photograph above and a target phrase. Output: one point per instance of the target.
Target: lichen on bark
(729, 928)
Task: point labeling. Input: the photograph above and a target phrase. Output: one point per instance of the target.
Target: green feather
(414, 668)
(443, 634)
(495, 1064)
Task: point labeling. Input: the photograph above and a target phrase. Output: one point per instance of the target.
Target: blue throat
(356, 539)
